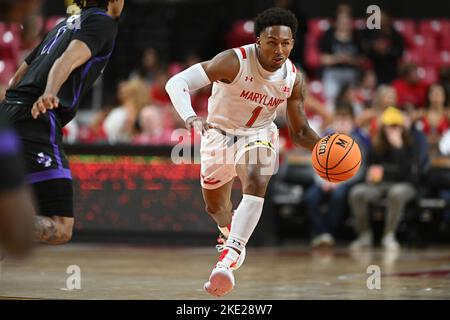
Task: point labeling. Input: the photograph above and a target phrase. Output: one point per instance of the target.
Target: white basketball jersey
(249, 103)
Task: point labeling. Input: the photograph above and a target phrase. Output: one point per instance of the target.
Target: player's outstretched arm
(76, 54)
(224, 67)
(299, 129)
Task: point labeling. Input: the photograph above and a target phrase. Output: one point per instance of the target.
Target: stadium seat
(444, 58)
(318, 26)
(444, 42)
(241, 34)
(412, 56)
(51, 22)
(10, 44)
(7, 69)
(430, 28)
(428, 74)
(407, 29)
(315, 88)
(312, 57)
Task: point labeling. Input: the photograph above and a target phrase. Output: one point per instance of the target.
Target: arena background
(130, 193)
(141, 231)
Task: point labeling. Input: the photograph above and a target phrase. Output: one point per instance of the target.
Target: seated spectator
(94, 132)
(153, 128)
(434, 119)
(158, 94)
(333, 195)
(384, 47)
(341, 55)
(367, 120)
(411, 90)
(365, 90)
(120, 124)
(149, 66)
(347, 96)
(394, 168)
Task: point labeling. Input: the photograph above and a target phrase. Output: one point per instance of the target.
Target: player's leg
(53, 230)
(54, 223)
(254, 186)
(218, 204)
(246, 217)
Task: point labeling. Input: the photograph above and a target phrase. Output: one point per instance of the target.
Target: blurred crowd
(388, 88)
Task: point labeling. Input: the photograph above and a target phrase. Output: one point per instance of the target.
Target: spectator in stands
(385, 96)
(434, 118)
(153, 127)
(347, 96)
(411, 90)
(365, 91)
(333, 195)
(120, 124)
(93, 133)
(341, 55)
(149, 67)
(384, 47)
(158, 94)
(394, 169)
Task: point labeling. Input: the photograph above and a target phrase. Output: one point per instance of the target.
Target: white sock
(245, 220)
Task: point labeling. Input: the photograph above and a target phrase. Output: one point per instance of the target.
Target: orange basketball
(336, 157)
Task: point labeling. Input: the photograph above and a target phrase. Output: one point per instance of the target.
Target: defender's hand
(199, 124)
(45, 102)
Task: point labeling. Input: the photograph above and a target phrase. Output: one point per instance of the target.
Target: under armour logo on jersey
(285, 89)
(44, 159)
(249, 79)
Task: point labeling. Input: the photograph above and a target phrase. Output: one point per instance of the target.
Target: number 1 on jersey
(255, 114)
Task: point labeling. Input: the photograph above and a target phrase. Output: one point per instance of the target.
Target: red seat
(241, 33)
(318, 26)
(51, 22)
(424, 43)
(444, 58)
(412, 56)
(430, 57)
(444, 42)
(315, 88)
(430, 27)
(7, 69)
(10, 43)
(407, 28)
(312, 57)
(428, 74)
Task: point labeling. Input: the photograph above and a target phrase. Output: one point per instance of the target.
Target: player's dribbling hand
(45, 102)
(199, 124)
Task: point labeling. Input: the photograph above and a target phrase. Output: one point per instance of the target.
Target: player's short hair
(275, 17)
(85, 4)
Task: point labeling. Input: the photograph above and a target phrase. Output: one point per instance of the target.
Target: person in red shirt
(411, 90)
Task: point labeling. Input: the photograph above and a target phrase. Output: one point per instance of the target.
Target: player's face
(115, 8)
(275, 44)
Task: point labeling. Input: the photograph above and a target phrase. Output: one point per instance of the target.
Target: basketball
(336, 157)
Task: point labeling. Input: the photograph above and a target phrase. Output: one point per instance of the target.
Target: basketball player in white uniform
(239, 137)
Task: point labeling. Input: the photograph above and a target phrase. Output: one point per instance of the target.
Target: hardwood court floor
(127, 272)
